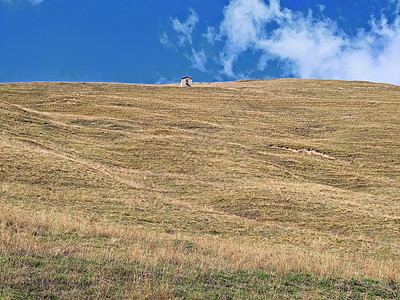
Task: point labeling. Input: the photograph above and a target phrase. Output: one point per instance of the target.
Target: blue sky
(137, 41)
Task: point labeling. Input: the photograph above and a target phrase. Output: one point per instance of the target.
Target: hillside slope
(277, 176)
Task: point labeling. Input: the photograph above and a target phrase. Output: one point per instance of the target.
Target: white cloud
(161, 79)
(321, 7)
(185, 29)
(34, 2)
(210, 35)
(303, 45)
(199, 60)
(311, 47)
(397, 10)
(242, 27)
(164, 39)
(184, 32)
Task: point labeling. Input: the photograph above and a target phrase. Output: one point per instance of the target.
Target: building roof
(186, 77)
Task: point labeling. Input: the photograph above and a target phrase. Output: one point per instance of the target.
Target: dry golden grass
(277, 175)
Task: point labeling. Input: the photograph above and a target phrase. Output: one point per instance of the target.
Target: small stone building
(186, 82)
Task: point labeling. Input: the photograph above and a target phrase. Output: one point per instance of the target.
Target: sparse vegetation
(250, 189)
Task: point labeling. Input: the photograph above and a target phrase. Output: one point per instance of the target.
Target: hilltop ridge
(281, 176)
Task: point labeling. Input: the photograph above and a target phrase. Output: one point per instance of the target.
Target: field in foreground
(251, 189)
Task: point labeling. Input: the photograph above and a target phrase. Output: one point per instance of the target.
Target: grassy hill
(249, 189)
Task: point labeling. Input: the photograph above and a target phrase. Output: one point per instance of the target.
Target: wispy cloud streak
(185, 29)
(34, 2)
